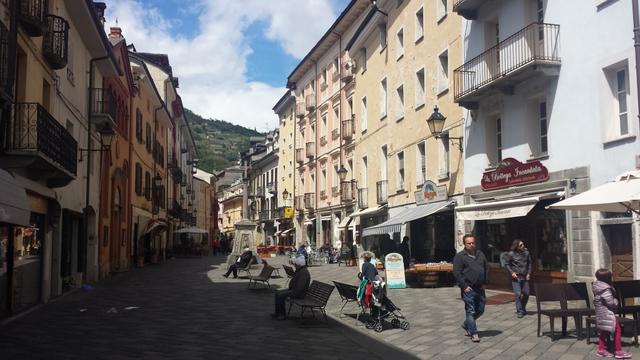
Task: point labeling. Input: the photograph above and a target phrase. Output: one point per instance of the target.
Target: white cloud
(211, 64)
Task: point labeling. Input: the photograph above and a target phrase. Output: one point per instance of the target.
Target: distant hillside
(219, 142)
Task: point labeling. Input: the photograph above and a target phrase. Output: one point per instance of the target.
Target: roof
(202, 175)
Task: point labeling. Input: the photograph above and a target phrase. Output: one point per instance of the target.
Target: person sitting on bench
(242, 262)
(298, 286)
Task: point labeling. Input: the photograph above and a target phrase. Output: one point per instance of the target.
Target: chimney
(99, 8)
(116, 32)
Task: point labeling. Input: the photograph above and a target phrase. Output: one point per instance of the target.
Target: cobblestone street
(185, 309)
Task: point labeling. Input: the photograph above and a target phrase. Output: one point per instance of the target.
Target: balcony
(310, 201)
(323, 194)
(310, 102)
(272, 188)
(267, 215)
(299, 202)
(104, 108)
(174, 209)
(363, 198)
(33, 16)
(323, 140)
(348, 129)
(382, 191)
(348, 191)
(335, 133)
(5, 81)
(310, 149)
(532, 51)
(259, 192)
(55, 42)
(335, 191)
(347, 74)
(300, 155)
(39, 144)
(300, 109)
(468, 9)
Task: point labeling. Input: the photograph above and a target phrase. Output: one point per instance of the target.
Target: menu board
(394, 269)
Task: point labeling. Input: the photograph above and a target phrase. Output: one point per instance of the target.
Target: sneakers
(604, 353)
(622, 355)
(520, 315)
(475, 338)
(226, 275)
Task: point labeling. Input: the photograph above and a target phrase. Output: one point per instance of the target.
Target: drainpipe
(636, 45)
(88, 172)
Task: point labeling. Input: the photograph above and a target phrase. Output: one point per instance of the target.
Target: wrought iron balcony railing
(301, 110)
(363, 198)
(348, 191)
(300, 155)
(310, 201)
(310, 149)
(44, 146)
(267, 215)
(299, 200)
(104, 108)
(382, 192)
(33, 16)
(513, 59)
(310, 102)
(348, 129)
(272, 188)
(55, 43)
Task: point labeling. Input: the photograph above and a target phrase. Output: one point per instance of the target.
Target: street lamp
(342, 173)
(107, 134)
(157, 181)
(436, 124)
(285, 195)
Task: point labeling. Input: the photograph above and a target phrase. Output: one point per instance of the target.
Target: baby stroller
(383, 308)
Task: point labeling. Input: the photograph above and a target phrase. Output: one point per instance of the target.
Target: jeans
(281, 296)
(474, 302)
(521, 292)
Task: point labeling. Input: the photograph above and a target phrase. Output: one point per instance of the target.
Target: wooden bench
(316, 297)
(288, 270)
(275, 269)
(263, 277)
(349, 294)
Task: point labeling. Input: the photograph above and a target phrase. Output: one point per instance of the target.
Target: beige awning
(502, 209)
(345, 222)
(368, 211)
(14, 207)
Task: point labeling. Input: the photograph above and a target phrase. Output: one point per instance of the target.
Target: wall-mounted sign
(394, 269)
(431, 192)
(512, 172)
(288, 212)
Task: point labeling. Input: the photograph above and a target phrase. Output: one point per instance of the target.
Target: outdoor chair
(577, 292)
(349, 294)
(553, 293)
(263, 277)
(288, 270)
(627, 291)
(316, 297)
(275, 269)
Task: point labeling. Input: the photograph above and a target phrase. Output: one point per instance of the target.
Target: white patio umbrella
(620, 195)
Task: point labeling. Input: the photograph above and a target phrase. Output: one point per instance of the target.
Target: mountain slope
(218, 142)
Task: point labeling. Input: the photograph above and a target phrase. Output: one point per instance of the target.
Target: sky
(232, 56)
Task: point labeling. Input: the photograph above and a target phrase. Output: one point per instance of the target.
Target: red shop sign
(512, 172)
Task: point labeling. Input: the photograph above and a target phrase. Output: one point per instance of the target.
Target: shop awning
(191, 230)
(502, 209)
(277, 233)
(155, 224)
(394, 224)
(310, 221)
(325, 218)
(368, 211)
(14, 207)
(288, 231)
(345, 222)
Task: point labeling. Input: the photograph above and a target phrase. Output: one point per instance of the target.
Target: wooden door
(621, 250)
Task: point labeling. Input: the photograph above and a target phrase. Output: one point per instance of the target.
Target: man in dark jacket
(242, 262)
(519, 267)
(298, 286)
(471, 271)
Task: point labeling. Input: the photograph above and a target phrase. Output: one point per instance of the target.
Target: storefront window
(552, 240)
(27, 263)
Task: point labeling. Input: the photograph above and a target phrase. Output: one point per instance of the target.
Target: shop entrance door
(619, 240)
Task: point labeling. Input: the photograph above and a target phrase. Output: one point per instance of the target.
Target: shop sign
(431, 192)
(394, 269)
(288, 212)
(512, 172)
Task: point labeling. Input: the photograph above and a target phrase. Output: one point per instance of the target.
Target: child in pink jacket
(606, 306)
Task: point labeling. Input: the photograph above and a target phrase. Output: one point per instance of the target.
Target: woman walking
(519, 267)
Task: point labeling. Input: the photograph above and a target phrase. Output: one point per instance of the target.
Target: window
(442, 10)
(419, 25)
(323, 82)
(336, 176)
(363, 114)
(336, 117)
(148, 137)
(498, 139)
(138, 179)
(400, 175)
(69, 127)
(383, 98)
(363, 174)
(383, 162)
(443, 71)
(419, 94)
(323, 182)
(139, 125)
(363, 58)
(400, 44)
(542, 118)
(336, 66)
(421, 163)
(443, 156)
(400, 102)
(382, 31)
(621, 97)
(540, 18)
(147, 185)
(323, 130)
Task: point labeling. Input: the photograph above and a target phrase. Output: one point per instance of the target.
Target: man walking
(470, 269)
(519, 267)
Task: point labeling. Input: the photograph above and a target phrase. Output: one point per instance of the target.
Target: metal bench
(316, 297)
(349, 294)
(263, 277)
(288, 270)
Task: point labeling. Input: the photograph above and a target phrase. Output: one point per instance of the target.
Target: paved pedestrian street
(185, 309)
